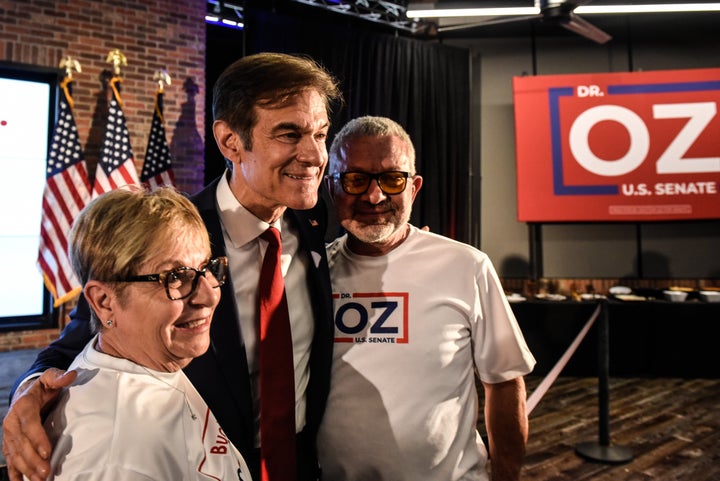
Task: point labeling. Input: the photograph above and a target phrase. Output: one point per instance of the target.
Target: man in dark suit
(271, 123)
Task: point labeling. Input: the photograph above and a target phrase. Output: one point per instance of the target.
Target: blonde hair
(121, 229)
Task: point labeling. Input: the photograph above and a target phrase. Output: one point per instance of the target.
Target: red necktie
(277, 371)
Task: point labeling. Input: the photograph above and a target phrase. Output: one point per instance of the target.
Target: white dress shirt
(245, 251)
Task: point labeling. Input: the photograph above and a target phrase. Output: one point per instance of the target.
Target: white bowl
(710, 296)
(516, 297)
(675, 296)
(615, 290)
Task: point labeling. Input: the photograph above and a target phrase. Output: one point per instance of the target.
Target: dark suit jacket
(221, 374)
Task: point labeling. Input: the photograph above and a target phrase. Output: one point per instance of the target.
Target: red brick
(168, 34)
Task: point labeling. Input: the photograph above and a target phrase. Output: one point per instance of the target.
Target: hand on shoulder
(25, 444)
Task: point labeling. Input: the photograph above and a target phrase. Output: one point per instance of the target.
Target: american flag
(116, 167)
(157, 169)
(67, 190)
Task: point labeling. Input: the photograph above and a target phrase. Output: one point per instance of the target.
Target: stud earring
(109, 323)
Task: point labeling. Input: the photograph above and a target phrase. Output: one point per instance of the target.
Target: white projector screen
(27, 109)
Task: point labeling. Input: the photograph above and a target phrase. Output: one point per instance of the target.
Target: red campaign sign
(639, 146)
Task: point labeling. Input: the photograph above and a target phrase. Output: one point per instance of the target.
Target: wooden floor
(671, 427)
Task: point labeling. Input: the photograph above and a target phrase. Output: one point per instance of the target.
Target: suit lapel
(311, 226)
(221, 375)
(224, 375)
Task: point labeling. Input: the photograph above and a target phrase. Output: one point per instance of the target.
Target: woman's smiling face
(154, 331)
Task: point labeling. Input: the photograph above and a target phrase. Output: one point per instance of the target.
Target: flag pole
(67, 190)
(69, 64)
(116, 164)
(157, 168)
(162, 77)
(117, 59)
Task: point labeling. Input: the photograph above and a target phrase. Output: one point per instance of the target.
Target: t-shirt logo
(219, 455)
(371, 317)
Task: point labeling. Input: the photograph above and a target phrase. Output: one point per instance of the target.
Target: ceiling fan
(551, 12)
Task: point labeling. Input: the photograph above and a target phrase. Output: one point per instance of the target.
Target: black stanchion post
(604, 376)
(602, 451)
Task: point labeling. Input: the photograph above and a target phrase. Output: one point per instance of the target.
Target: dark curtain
(423, 85)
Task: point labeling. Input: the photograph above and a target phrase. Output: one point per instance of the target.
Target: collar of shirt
(241, 225)
(245, 252)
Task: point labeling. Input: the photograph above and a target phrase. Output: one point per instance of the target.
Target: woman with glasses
(143, 259)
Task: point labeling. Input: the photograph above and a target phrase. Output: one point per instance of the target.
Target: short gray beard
(373, 234)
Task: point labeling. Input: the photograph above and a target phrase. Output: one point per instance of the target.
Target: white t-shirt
(410, 329)
(122, 421)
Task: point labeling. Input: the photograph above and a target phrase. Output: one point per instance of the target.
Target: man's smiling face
(288, 157)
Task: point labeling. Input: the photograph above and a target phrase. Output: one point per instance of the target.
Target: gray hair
(368, 126)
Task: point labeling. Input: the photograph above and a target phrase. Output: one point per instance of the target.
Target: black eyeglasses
(357, 183)
(181, 282)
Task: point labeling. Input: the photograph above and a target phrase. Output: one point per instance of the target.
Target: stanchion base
(604, 454)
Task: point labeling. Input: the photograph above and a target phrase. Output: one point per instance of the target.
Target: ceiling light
(420, 10)
(655, 8)
(224, 14)
(471, 12)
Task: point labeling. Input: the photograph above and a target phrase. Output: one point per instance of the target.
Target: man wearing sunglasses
(271, 122)
(416, 315)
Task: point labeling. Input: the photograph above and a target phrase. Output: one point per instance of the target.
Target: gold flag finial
(163, 78)
(70, 64)
(117, 59)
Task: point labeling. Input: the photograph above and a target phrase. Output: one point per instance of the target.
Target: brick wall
(14, 341)
(161, 34)
(37, 338)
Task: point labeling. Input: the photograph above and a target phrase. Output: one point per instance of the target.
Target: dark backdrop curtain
(422, 85)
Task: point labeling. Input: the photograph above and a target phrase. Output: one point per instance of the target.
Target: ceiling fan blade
(483, 23)
(586, 29)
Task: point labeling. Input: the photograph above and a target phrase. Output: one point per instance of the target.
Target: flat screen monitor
(28, 96)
